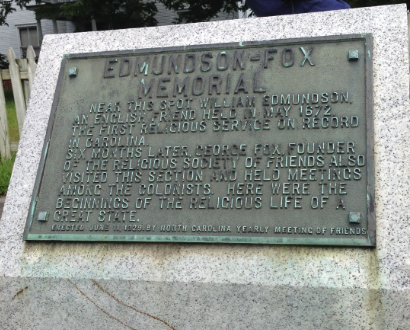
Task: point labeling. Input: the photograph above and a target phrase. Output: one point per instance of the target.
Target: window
(28, 36)
(182, 16)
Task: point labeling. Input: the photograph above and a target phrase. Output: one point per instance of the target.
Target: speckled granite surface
(184, 286)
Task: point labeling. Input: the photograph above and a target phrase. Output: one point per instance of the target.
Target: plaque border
(317, 241)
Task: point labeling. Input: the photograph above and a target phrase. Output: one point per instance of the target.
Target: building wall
(165, 16)
(9, 35)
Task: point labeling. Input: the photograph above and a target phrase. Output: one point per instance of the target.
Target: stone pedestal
(47, 285)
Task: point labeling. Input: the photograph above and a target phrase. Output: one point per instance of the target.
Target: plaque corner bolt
(72, 72)
(355, 217)
(42, 216)
(353, 55)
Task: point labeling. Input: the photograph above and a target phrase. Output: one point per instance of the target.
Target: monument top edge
(206, 46)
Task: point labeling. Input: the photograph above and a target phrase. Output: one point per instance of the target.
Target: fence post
(17, 88)
(4, 127)
(32, 66)
(23, 67)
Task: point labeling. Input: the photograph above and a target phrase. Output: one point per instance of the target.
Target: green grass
(12, 117)
(6, 166)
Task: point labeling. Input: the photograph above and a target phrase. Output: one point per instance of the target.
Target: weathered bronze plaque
(254, 142)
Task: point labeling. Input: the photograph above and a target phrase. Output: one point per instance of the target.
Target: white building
(24, 29)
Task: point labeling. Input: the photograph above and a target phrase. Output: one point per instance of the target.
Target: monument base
(45, 303)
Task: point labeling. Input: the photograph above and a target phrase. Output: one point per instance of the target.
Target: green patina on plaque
(254, 142)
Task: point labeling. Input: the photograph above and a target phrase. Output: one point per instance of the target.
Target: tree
(202, 10)
(370, 3)
(5, 9)
(119, 14)
(112, 14)
(4, 63)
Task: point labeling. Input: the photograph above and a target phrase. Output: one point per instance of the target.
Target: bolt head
(353, 55)
(355, 217)
(42, 216)
(72, 72)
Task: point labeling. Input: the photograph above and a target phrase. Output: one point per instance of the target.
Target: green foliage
(370, 3)
(5, 9)
(113, 14)
(6, 164)
(12, 117)
(6, 167)
(119, 14)
(4, 63)
(201, 10)
(8, 6)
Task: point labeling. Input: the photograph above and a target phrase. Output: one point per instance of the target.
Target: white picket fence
(21, 73)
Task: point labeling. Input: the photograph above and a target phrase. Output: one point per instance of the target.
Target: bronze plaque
(254, 142)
